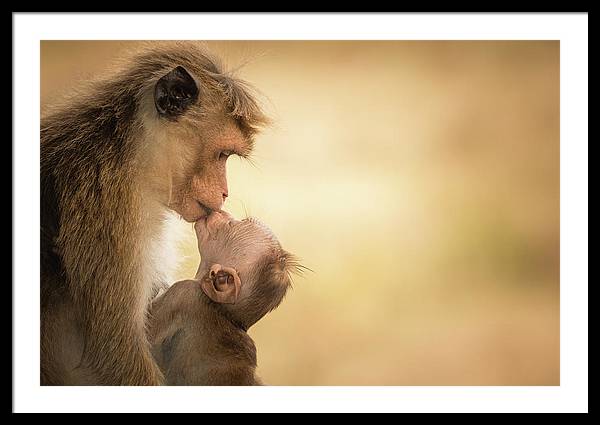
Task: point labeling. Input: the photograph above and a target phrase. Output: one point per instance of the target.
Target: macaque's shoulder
(183, 289)
(184, 294)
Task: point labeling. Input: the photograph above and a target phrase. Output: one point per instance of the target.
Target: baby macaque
(198, 327)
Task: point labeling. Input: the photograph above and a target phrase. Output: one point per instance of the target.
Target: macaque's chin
(200, 227)
(202, 236)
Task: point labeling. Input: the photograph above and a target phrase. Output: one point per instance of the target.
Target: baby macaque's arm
(158, 289)
(169, 317)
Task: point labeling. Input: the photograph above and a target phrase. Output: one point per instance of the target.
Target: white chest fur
(162, 257)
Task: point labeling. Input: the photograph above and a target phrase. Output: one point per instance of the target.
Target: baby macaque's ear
(221, 284)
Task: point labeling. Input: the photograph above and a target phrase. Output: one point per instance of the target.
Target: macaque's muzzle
(210, 223)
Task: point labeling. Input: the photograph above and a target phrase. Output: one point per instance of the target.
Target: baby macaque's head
(243, 266)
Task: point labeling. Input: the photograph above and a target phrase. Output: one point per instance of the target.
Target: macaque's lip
(205, 210)
(205, 213)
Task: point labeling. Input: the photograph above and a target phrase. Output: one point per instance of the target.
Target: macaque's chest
(163, 255)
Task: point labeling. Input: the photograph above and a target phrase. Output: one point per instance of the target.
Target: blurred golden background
(420, 181)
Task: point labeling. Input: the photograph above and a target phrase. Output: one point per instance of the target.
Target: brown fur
(110, 171)
(195, 344)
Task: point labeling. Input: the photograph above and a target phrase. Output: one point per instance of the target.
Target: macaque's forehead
(232, 139)
(246, 244)
(250, 235)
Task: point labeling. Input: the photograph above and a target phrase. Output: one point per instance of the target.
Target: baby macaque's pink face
(243, 266)
(239, 244)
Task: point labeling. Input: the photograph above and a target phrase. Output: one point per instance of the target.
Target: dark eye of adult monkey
(146, 142)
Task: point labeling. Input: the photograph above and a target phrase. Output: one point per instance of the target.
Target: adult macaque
(118, 158)
(198, 327)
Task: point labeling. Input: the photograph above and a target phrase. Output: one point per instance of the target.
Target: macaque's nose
(225, 195)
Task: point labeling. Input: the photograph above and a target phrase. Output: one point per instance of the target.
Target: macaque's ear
(221, 284)
(174, 93)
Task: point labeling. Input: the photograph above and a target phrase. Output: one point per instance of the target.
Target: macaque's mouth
(198, 211)
(204, 209)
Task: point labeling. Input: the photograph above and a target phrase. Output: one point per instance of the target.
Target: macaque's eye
(223, 155)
